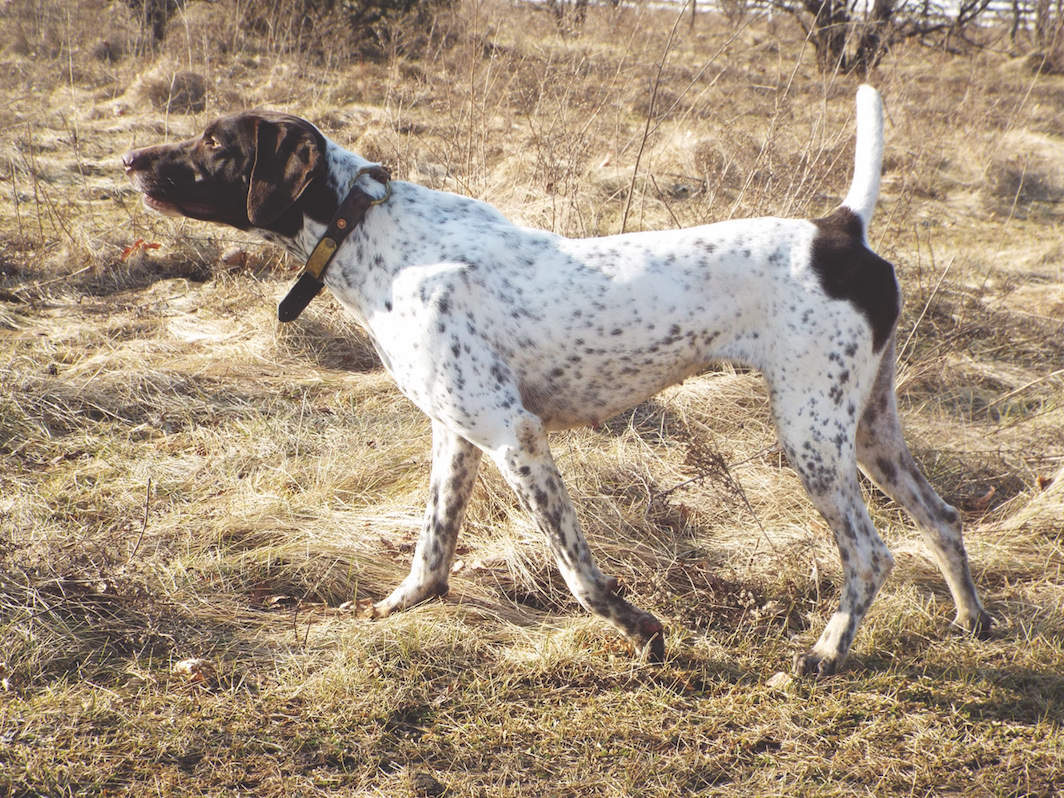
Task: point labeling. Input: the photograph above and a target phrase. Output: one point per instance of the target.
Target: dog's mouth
(162, 206)
(167, 207)
(156, 195)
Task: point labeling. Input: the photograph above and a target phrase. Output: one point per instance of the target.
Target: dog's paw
(402, 598)
(649, 639)
(977, 625)
(812, 664)
(367, 608)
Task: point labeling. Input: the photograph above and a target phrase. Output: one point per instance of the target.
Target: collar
(348, 216)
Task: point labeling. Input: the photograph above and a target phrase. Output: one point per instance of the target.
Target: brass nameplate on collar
(319, 258)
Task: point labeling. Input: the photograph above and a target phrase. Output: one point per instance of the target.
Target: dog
(500, 333)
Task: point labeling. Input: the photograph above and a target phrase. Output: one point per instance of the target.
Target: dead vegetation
(184, 481)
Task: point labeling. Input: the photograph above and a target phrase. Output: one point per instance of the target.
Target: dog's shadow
(1020, 695)
(652, 420)
(328, 342)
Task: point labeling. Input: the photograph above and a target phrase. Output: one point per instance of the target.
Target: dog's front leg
(454, 470)
(529, 468)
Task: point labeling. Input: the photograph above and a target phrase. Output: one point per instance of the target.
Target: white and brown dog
(500, 333)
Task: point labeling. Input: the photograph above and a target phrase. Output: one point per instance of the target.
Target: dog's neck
(322, 199)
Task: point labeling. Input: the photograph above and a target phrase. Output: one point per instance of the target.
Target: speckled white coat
(500, 333)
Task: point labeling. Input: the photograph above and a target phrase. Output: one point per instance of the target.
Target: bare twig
(923, 311)
(1024, 387)
(143, 521)
(665, 202)
(650, 117)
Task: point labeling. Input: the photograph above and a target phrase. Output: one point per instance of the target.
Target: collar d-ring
(382, 176)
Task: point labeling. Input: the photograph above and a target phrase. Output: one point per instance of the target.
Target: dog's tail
(868, 155)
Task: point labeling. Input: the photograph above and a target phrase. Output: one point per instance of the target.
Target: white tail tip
(868, 155)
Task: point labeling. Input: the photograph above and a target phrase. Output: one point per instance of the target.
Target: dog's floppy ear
(287, 155)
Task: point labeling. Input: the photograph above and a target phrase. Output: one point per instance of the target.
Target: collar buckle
(349, 215)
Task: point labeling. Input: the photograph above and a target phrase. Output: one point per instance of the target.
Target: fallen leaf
(983, 501)
(140, 245)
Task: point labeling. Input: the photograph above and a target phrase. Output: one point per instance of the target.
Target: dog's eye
(211, 142)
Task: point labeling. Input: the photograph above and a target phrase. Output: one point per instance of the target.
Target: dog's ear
(287, 156)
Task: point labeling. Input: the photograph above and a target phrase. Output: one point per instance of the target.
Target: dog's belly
(582, 399)
(576, 381)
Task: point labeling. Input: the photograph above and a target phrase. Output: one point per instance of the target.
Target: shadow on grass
(137, 274)
(325, 346)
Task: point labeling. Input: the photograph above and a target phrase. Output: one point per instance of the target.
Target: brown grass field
(181, 477)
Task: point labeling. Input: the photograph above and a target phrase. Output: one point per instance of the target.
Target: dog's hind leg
(884, 456)
(454, 470)
(526, 463)
(817, 431)
(866, 563)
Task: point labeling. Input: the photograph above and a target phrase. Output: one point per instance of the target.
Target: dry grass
(181, 477)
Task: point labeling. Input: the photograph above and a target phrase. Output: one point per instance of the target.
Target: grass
(183, 478)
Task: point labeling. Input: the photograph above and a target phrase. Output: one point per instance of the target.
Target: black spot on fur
(887, 467)
(870, 415)
(849, 270)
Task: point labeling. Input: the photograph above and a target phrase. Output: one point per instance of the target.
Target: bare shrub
(849, 40)
(184, 93)
(1049, 26)
(108, 51)
(372, 26)
(154, 14)
(1025, 175)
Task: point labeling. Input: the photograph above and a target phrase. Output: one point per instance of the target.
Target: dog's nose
(132, 160)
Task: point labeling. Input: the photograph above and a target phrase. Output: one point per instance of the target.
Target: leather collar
(348, 216)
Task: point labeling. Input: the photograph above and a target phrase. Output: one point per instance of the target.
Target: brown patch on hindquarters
(850, 270)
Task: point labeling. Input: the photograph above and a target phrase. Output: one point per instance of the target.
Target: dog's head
(250, 169)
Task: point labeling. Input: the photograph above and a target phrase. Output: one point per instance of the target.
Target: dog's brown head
(251, 169)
